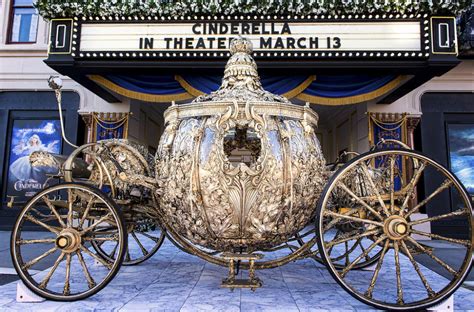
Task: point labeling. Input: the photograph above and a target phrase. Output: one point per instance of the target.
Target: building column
(412, 123)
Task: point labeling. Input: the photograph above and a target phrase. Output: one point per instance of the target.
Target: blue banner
(380, 131)
(108, 129)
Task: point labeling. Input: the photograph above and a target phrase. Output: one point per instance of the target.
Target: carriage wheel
(402, 221)
(145, 235)
(349, 247)
(65, 219)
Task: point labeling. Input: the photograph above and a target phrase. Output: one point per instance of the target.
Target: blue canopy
(320, 89)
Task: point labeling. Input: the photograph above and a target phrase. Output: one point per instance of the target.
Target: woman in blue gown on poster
(21, 168)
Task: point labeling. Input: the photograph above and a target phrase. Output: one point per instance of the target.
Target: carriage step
(253, 282)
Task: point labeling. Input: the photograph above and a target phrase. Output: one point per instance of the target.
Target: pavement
(173, 280)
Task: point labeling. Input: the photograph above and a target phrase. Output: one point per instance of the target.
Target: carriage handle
(56, 84)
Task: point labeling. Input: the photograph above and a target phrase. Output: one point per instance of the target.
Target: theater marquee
(312, 37)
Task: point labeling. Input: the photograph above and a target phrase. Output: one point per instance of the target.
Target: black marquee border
(424, 53)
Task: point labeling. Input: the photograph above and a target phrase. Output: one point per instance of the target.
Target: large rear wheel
(392, 213)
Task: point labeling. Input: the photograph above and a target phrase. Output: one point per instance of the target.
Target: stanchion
(444, 306)
(24, 295)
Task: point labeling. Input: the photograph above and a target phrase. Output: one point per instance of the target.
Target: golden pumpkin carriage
(239, 180)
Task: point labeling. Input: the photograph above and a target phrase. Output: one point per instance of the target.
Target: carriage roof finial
(241, 81)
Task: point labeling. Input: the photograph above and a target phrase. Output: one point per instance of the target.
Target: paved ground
(175, 281)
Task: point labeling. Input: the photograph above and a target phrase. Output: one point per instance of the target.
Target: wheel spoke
(67, 284)
(35, 241)
(399, 273)
(342, 216)
(112, 253)
(102, 219)
(90, 281)
(365, 169)
(86, 212)
(29, 264)
(373, 281)
(354, 237)
(359, 200)
(359, 242)
(53, 210)
(362, 255)
(346, 255)
(392, 184)
(411, 187)
(70, 205)
(407, 252)
(42, 224)
(46, 279)
(456, 213)
(128, 258)
(142, 248)
(100, 240)
(100, 260)
(448, 239)
(430, 254)
(333, 222)
(300, 236)
(338, 232)
(441, 188)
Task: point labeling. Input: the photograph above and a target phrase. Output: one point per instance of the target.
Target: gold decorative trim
(183, 111)
(186, 86)
(104, 82)
(395, 83)
(290, 94)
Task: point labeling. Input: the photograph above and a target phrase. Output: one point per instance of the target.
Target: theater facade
(370, 72)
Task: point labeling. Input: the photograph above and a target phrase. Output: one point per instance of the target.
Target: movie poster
(461, 153)
(28, 136)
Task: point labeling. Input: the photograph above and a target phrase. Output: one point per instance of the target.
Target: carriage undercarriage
(369, 211)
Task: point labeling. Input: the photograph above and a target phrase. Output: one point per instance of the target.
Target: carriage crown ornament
(239, 180)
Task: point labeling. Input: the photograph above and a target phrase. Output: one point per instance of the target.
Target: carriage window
(242, 145)
(23, 22)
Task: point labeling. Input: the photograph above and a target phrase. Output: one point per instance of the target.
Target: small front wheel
(53, 235)
(145, 238)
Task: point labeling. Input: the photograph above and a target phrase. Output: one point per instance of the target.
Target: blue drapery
(274, 84)
(320, 89)
(346, 85)
(150, 84)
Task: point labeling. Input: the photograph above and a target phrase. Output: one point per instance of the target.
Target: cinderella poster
(461, 153)
(29, 136)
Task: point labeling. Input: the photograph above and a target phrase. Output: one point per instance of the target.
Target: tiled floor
(175, 281)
